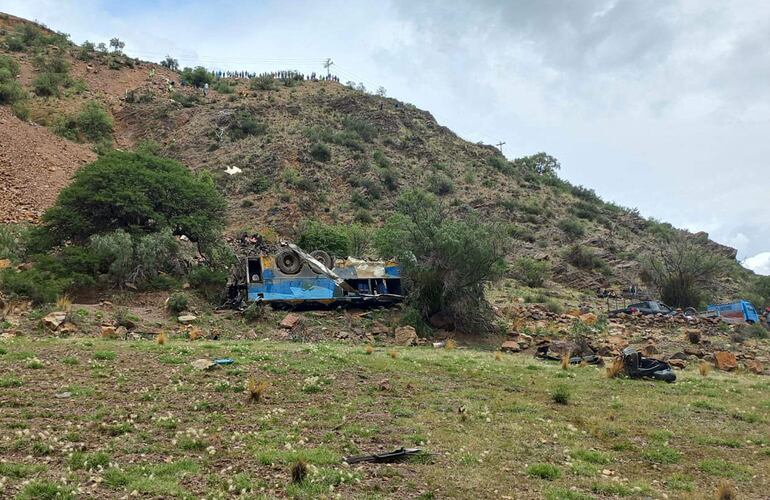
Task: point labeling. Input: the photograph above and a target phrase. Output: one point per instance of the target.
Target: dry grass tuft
(565, 361)
(704, 368)
(450, 344)
(393, 354)
(369, 349)
(615, 368)
(195, 333)
(63, 303)
(498, 356)
(161, 339)
(299, 471)
(726, 491)
(255, 389)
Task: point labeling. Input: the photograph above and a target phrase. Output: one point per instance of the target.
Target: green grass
(45, 490)
(479, 419)
(105, 355)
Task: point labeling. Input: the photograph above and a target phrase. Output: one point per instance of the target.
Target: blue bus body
(736, 312)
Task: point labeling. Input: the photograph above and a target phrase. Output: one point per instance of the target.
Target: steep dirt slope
(34, 165)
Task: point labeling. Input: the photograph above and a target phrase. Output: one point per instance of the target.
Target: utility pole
(328, 64)
(500, 146)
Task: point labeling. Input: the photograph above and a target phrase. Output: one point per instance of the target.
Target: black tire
(288, 261)
(690, 311)
(323, 257)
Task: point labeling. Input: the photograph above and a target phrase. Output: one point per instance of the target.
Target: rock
(406, 335)
(693, 335)
(379, 328)
(121, 332)
(691, 351)
(510, 346)
(678, 363)
(563, 347)
(108, 332)
(649, 350)
(754, 366)
(68, 328)
(290, 321)
(726, 361)
(203, 364)
(679, 355)
(524, 340)
(588, 318)
(62, 395)
(384, 385)
(186, 318)
(54, 319)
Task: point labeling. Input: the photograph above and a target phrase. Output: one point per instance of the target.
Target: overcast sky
(659, 105)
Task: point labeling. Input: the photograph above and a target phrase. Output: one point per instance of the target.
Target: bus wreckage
(292, 277)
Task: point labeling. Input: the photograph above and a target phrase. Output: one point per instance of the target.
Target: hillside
(320, 150)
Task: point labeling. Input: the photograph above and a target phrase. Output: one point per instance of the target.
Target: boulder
(510, 346)
(564, 347)
(754, 366)
(186, 318)
(203, 364)
(588, 318)
(53, 320)
(290, 321)
(406, 335)
(68, 328)
(678, 363)
(726, 361)
(108, 332)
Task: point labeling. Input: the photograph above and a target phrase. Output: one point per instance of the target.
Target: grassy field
(105, 419)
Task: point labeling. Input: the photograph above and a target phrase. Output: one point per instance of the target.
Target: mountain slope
(322, 150)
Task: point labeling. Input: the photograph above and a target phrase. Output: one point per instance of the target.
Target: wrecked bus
(735, 312)
(293, 277)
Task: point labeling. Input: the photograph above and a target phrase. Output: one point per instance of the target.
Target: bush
(446, 263)
(92, 123)
(10, 90)
(40, 287)
(223, 87)
(440, 184)
(683, 271)
(561, 395)
(320, 152)
(245, 125)
(12, 241)
(256, 311)
(363, 129)
(209, 282)
(53, 73)
(197, 77)
(389, 178)
(186, 100)
(319, 236)
(544, 471)
(572, 228)
(265, 82)
(177, 303)
(532, 272)
(139, 193)
(584, 258)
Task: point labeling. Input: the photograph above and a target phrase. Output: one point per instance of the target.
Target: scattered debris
(393, 456)
(203, 364)
(637, 366)
(62, 395)
(224, 361)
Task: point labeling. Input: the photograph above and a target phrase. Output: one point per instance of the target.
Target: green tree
(446, 262)
(684, 271)
(197, 77)
(540, 163)
(138, 193)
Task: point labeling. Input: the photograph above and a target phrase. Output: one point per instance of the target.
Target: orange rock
(290, 321)
(588, 318)
(754, 366)
(726, 361)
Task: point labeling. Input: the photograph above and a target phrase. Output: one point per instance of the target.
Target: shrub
(572, 228)
(256, 311)
(389, 178)
(12, 241)
(186, 100)
(532, 272)
(561, 395)
(498, 162)
(223, 87)
(139, 193)
(264, 82)
(320, 152)
(440, 184)
(177, 303)
(584, 258)
(544, 471)
(92, 123)
(446, 263)
(245, 125)
(319, 236)
(540, 164)
(683, 271)
(209, 282)
(10, 90)
(53, 73)
(363, 129)
(196, 77)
